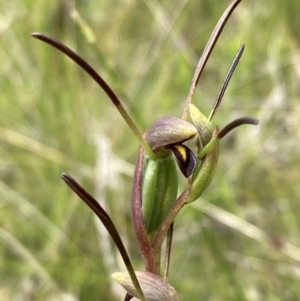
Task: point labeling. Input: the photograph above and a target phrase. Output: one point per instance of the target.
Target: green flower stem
(165, 225)
(208, 147)
(100, 81)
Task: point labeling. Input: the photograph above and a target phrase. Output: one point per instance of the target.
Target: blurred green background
(241, 241)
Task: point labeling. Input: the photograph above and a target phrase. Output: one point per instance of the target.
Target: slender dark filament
(207, 51)
(100, 81)
(232, 125)
(108, 224)
(168, 251)
(82, 63)
(226, 81)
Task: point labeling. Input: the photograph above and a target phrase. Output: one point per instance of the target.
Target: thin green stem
(208, 147)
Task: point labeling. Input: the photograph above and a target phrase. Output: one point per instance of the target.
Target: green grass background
(241, 241)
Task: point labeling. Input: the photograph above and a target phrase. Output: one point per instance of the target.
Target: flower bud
(167, 134)
(167, 131)
(154, 287)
